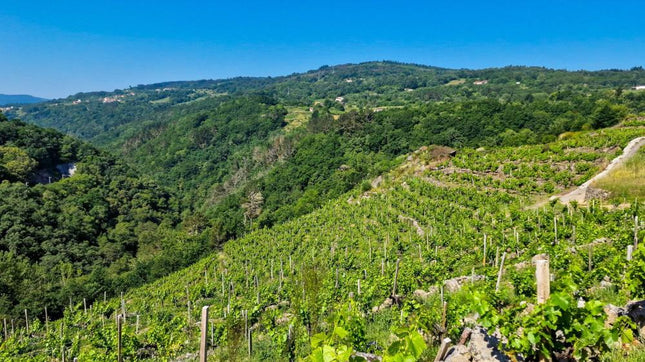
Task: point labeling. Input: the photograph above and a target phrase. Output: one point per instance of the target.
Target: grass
(628, 180)
(296, 117)
(637, 354)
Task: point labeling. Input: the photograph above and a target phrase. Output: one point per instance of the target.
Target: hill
(370, 271)
(6, 99)
(75, 221)
(291, 143)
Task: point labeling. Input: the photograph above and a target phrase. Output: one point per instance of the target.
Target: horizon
(54, 51)
(316, 68)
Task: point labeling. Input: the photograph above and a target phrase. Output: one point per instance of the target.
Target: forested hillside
(250, 152)
(88, 232)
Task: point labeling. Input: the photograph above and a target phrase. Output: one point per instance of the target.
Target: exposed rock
(423, 295)
(596, 194)
(636, 311)
(481, 348)
(286, 317)
(606, 282)
(377, 182)
(367, 356)
(613, 312)
(455, 284)
(387, 303)
(458, 353)
(484, 347)
(414, 223)
(284, 303)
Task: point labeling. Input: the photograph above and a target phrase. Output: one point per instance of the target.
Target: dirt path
(579, 193)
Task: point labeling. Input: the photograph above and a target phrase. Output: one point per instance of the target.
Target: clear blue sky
(56, 48)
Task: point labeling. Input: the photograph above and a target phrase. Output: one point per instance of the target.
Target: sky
(58, 48)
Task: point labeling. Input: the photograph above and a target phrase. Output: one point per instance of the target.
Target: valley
(367, 227)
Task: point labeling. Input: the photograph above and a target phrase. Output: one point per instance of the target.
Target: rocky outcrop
(481, 347)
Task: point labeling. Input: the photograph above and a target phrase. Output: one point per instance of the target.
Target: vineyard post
(385, 246)
(104, 296)
(84, 306)
(636, 231)
(136, 329)
(555, 228)
(119, 322)
(484, 259)
(123, 307)
(589, 258)
(188, 304)
(46, 321)
(444, 312)
(630, 250)
(250, 340)
(442, 349)
(396, 277)
(5, 328)
(26, 322)
(246, 323)
(420, 255)
(336, 284)
(501, 270)
(358, 289)
(204, 332)
(12, 331)
(542, 277)
(382, 267)
(257, 289)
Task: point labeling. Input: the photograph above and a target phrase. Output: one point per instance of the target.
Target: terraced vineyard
(367, 272)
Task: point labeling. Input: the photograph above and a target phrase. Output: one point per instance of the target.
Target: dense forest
(99, 231)
(332, 173)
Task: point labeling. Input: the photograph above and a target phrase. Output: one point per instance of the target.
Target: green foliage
(559, 324)
(635, 276)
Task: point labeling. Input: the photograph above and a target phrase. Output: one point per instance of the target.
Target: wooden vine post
(46, 321)
(499, 274)
(119, 322)
(636, 231)
(445, 343)
(26, 322)
(203, 351)
(484, 259)
(543, 279)
(630, 251)
(396, 277)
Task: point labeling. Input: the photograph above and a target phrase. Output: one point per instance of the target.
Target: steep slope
(423, 223)
(74, 221)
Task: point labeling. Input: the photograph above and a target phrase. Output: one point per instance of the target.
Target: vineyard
(393, 268)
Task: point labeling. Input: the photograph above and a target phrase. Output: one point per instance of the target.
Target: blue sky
(58, 48)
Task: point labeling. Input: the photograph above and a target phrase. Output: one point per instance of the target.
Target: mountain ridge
(15, 99)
